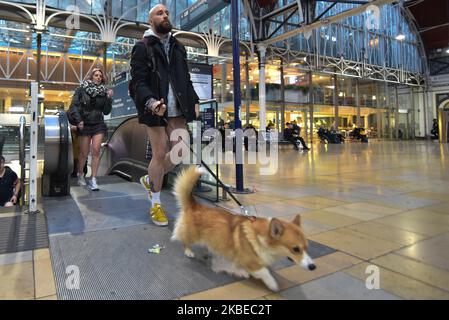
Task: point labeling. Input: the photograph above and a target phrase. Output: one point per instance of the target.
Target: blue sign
(120, 77)
(208, 116)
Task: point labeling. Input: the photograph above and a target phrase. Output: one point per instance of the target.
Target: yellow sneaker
(144, 183)
(158, 215)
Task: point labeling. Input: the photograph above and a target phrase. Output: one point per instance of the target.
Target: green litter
(156, 249)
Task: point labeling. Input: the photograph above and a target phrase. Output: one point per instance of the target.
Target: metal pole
(337, 124)
(262, 97)
(33, 148)
(412, 131)
(105, 58)
(223, 83)
(237, 97)
(357, 102)
(387, 95)
(379, 113)
(425, 113)
(22, 158)
(39, 56)
(282, 101)
(247, 91)
(311, 105)
(396, 113)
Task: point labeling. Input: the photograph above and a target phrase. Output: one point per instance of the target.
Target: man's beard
(164, 27)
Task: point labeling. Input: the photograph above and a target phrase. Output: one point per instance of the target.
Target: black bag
(151, 65)
(70, 117)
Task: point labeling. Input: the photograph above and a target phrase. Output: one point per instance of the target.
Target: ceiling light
(400, 37)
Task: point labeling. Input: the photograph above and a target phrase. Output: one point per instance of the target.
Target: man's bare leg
(158, 140)
(174, 124)
(159, 165)
(156, 168)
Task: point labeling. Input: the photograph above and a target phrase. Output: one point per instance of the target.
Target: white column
(396, 113)
(357, 103)
(33, 148)
(247, 92)
(425, 112)
(412, 122)
(310, 75)
(379, 104)
(337, 119)
(262, 95)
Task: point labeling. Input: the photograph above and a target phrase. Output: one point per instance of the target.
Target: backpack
(151, 65)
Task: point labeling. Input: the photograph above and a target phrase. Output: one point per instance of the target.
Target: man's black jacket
(297, 129)
(153, 82)
(289, 134)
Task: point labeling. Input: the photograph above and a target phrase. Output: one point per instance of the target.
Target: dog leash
(242, 209)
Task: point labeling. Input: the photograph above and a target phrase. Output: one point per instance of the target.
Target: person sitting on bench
(9, 185)
(293, 137)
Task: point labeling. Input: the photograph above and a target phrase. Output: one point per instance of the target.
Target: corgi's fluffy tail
(184, 185)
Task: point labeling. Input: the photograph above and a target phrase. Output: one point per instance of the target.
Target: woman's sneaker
(93, 185)
(81, 180)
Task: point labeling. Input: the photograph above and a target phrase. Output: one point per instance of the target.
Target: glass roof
(349, 38)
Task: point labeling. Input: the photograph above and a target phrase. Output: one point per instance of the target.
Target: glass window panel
(322, 89)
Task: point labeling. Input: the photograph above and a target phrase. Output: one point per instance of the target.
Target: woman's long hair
(91, 75)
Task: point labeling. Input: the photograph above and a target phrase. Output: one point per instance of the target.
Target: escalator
(124, 153)
(23, 229)
(58, 156)
(54, 152)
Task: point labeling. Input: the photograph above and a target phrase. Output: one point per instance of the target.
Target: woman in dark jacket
(90, 102)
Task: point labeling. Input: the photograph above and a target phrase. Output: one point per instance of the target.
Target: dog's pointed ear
(276, 228)
(297, 220)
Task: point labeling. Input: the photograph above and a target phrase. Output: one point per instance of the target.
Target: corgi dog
(240, 245)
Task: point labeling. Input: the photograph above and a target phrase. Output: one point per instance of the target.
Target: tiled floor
(27, 275)
(381, 205)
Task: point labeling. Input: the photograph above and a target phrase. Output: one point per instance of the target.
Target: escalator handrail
(63, 163)
(128, 118)
(134, 115)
